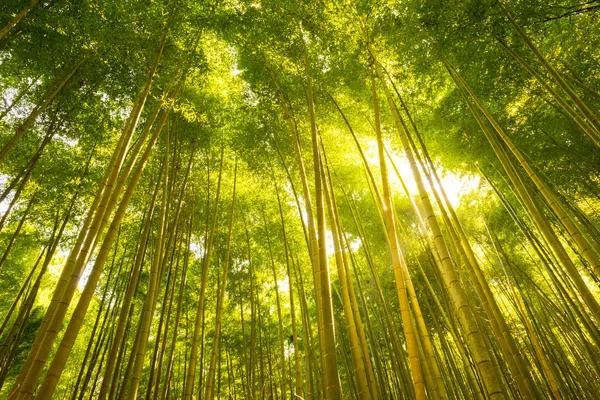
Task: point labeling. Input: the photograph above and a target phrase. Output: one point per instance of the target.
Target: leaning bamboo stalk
(139, 350)
(109, 313)
(128, 312)
(23, 386)
(558, 278)
(397, 360)
(243, 365)
(399, 265)
(25, 290)
(355, 309)
(15, 198)
(509, 347)
(62, 281)
(251, 359)
(583, 124)
(208, 394)
(160, 332)
(51, 248)
(88, 350)
(26, 171)
(171, 356)
(70, 335)
(169, 244)
(208, 229)
(198, 324)
(346, 283)
(585, 247)
(564, 293)
(309, 234)
(171, 299)
(15, 234)
(585, 110)
(120, 381)
(436, 261)
(425, 340)
(298, 369)
(105, 387)
(516, 293)
(16, 325)
(396, 353)
(527, 198)
(475, 340)
(278, 302)
(100, 363)
(576, 79)
(360, 151)
(294, 193)
(75, 265)
(48, 97)
(358, 368)
(15, 345)
(18, 17)
(499, 326)
(21, 94)
(332, 387)
(119, 170)
(312, 383)
(313, 243)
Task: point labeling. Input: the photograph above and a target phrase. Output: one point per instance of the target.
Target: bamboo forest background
(299, 199)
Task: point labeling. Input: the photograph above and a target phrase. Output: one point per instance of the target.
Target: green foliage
(245, 64)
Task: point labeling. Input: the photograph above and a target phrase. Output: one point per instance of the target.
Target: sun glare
(235, 71)
(455, 186)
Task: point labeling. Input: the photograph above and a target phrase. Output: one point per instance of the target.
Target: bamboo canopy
(299, 200)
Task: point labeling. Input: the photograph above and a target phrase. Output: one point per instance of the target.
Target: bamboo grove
(299, 199)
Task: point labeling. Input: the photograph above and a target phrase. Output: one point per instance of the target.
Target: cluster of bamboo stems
(450, 337)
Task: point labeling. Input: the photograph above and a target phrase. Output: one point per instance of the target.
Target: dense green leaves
(243, 70)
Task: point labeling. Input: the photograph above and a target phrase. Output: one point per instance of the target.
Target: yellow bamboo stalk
(139, 349)
(332, 384)
(530, 331)
(528, 200)
(313, 245)
(585, 247)
(500, 328)
(399, 265)
(355, 350)
(191, 369)
(208, 394)
(485, 366)
(583, 124)
(586, 111)
(15, 20)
